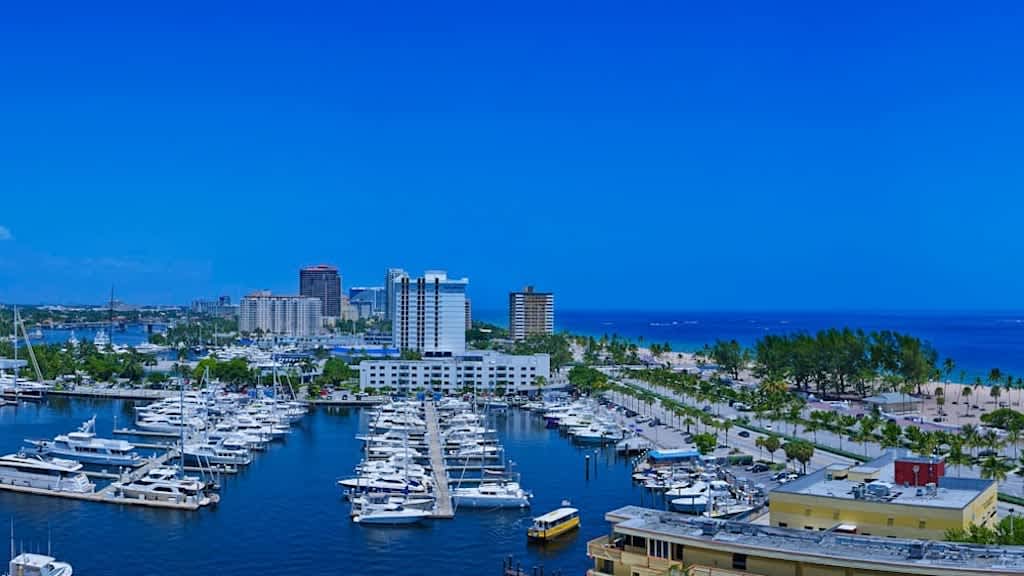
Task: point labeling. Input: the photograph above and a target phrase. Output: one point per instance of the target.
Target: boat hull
(478, 502)
(388, 519)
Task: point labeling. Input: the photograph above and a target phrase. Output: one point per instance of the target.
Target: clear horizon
(705, 157)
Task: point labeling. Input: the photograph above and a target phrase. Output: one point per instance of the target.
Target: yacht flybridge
(83, 445)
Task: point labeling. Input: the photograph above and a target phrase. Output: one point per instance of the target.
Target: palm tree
(948, 365)
(1013, 436)
(995, 375)
(994, 468)
(844, 422)
(969, 433)
(868, 424)
(957, 456)
(995, 392)
(966, 391)
(725, 426)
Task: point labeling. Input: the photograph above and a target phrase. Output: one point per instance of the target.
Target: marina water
(284, 514)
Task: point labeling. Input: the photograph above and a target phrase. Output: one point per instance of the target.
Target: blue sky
(625, 155)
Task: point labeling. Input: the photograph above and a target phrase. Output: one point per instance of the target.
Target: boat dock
(443, 499)
(120, 393)
(107, 496)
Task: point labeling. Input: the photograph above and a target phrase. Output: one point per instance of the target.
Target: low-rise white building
(482, 371)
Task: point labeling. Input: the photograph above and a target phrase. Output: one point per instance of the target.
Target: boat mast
(181, 428)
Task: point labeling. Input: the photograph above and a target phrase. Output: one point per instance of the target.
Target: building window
(835, 514)
(607, 566)
(811, 528)
(889, 522)
(807, 512)
(921, 524)
(658, 549)
(739, 561)
(783, 525)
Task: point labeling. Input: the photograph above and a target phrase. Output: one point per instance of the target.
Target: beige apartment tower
(530, 313)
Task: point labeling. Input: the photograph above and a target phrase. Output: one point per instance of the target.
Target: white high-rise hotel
(284, 315)
(429, 314)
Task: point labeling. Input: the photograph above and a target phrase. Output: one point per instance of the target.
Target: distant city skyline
(686, 156)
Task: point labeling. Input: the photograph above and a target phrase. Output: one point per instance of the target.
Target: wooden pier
(442, 498)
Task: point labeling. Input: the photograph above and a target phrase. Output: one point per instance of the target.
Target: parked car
(743, 434)
(756, 468)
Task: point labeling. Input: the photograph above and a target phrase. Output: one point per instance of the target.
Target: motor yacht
(164, 485)
(38, 565)
(83, 445)
(37, 471)
(492, 495)
(388, 515)
(391, 483)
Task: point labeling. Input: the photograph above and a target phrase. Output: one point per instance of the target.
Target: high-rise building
(295, 316)
(429, 314)
(469, 314)
(390, 278)
(219, 307)
(372, 299)
(530, 313)
(322, 282)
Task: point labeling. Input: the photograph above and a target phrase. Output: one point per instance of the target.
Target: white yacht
(389, 515)
(101, 340)
(475, 451)
(216, 454)
(163, 484)
(391, 483)
(389, 501)
(492, 495)
(83, 446)
(149, 348)
(35, 471)
(169, 423)
(38, 565)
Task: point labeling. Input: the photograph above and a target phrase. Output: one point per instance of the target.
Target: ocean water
(283, 515)
(976, 341)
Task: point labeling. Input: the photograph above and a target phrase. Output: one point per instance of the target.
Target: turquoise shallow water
(283, 515)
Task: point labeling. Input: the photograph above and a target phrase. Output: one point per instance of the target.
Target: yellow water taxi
(554, 524)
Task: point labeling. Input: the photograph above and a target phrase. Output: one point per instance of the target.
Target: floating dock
(442, 497)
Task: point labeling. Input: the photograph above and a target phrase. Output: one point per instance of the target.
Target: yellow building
(648, 542)
(864, 499)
